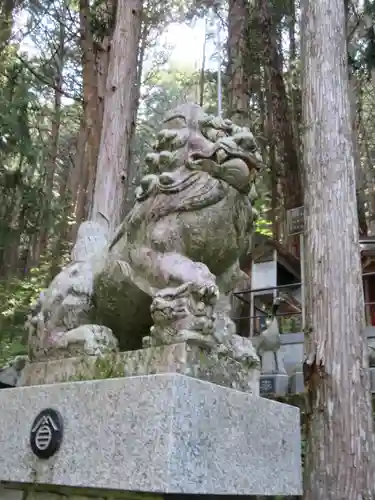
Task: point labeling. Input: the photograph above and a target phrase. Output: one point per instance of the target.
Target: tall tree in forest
(96, 31)
(59, 60)
(281, 110)
(118, 118)
(340, 452)
(238, 78)
(7, 10)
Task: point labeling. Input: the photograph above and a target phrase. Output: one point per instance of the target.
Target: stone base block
(274, 384)
(158, 434)
(296, 383)
(181, 358)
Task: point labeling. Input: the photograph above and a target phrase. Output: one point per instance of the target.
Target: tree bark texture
(77, 179)
(354, 100)
(118, 116)
(131, 172)
(7, 8)
(340, 448)
(91, 109)
(272, 163)
(283, 127)
(238, 81)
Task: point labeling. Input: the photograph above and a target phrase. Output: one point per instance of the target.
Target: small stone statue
(269, 341)
(167, 274)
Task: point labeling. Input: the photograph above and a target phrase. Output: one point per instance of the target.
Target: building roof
(263, 245)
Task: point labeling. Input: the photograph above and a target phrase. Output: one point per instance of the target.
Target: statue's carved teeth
(221, 156)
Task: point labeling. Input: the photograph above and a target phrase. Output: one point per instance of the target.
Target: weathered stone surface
(292, 350)
(160, 433)
(167, 272)
(10, 374)
(181, 358)
(66, 304)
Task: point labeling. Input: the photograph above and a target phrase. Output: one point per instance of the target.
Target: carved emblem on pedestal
(46, 433)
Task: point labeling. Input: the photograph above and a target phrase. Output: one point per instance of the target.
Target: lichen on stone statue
(59, 322)
(166, 275)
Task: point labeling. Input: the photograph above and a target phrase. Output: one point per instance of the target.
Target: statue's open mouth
(221, 152)
(225, 160)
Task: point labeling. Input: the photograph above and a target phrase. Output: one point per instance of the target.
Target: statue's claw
(208, 294)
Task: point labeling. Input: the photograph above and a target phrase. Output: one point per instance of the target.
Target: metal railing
(264, 313)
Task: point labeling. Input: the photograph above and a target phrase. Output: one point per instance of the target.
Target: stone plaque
(295, 220)
(267, 385)
(46, 433)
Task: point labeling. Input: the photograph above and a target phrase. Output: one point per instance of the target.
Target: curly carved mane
(198, 190)
(204, 166)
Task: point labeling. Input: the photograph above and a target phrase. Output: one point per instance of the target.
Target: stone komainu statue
(166, 275)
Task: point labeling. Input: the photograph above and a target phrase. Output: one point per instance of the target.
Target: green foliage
(25, 140)
(102, 20)
(263, 226)
(25, 137)
(16, 295)
(14, 101)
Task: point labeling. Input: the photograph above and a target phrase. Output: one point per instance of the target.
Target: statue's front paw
(147, 341)
(208, 293)
(90, 340)
(241, 349)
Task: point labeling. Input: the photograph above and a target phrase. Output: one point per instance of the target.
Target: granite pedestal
(172, 420)
(157, 434)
